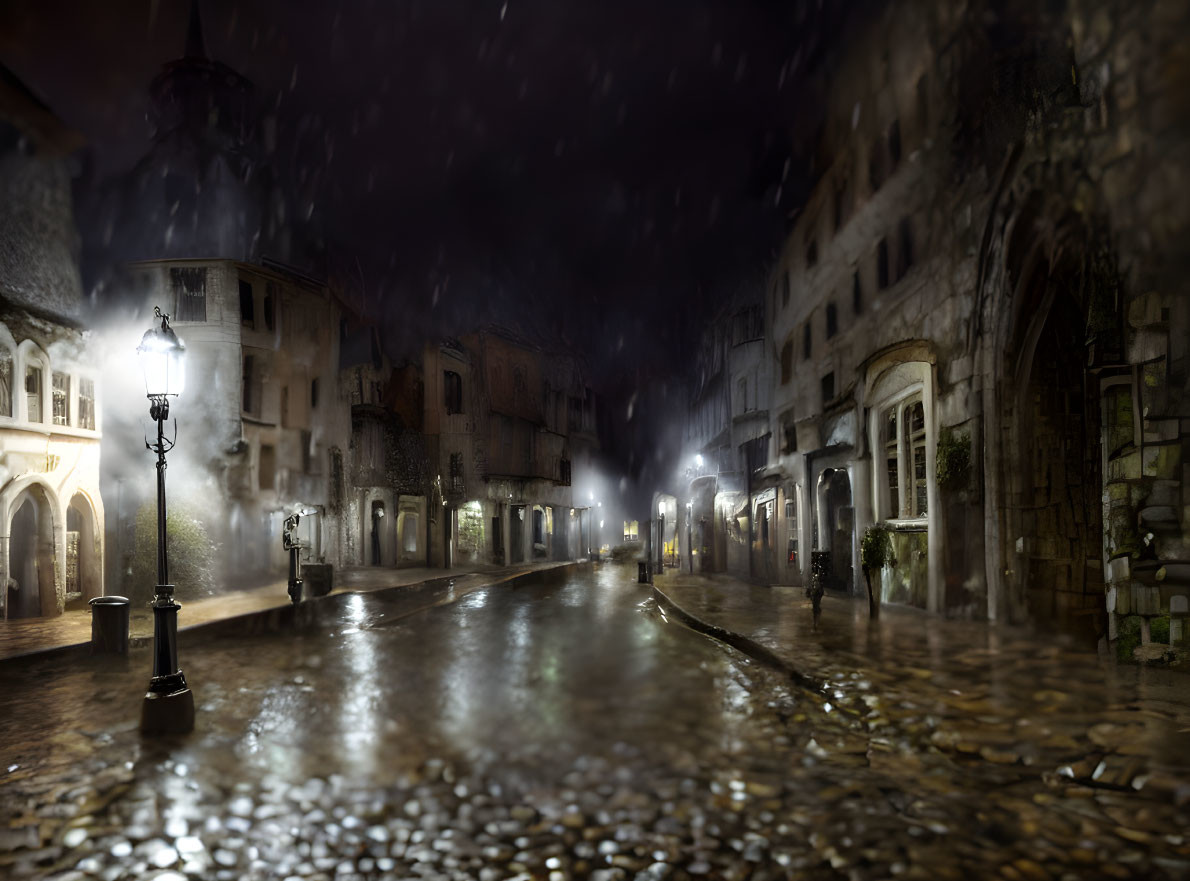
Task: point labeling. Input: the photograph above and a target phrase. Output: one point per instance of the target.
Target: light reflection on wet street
(548, 730)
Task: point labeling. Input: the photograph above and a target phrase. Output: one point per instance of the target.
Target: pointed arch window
(903, 437)
(33, 392)
(5, 381)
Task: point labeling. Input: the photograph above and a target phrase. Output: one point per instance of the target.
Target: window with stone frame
(787, 362)
(857, 295)
(832, 320)
(267, 470)
(33, 393)
(61, 397)
(828, 388)
(891, 463)
(917, 445)
(788, 432)
(247, 304)
(456, 472)
(6, 381)
(252, 388)
(87, 404)
(903, 437)
(189, 284)
(452, 391)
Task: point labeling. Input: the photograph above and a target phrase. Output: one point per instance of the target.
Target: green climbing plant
(953, 458)
(875, 552)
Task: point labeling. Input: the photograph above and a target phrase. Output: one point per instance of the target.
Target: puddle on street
(564, 727)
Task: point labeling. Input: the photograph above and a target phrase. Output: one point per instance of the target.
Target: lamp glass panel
(161, 357)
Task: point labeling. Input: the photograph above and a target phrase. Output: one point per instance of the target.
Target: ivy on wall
(953, 459)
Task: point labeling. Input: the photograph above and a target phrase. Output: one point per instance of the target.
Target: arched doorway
(835, 526)
(83, 563)
(376, 534)
(31, 589)
(1058, 482)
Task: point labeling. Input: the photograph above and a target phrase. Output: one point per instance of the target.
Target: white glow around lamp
(161, 359)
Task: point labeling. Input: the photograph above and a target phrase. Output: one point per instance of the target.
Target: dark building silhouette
(212, 182)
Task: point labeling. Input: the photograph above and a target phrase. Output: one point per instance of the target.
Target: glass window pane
(5, 382)
(917, 418)
(33, 393)
(61, 383)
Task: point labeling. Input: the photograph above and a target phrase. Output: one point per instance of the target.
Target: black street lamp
(168, 707)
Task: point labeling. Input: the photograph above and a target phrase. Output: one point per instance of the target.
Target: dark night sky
(609, 168)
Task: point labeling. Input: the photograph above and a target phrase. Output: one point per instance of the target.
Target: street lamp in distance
(168, 707)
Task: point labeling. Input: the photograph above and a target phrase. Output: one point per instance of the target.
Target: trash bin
(109, 625)
(642, 572)
(319, 578)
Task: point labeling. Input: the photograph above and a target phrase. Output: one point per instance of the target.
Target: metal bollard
(109, 625)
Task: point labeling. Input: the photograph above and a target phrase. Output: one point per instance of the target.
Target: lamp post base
(168, 707)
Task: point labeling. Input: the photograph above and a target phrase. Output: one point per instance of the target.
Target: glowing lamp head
(161, 359)
(698, 460)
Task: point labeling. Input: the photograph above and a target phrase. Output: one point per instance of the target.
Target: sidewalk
(974, 691)
(25, 636)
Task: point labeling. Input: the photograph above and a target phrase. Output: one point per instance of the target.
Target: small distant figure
(293, 544)
(815, 591)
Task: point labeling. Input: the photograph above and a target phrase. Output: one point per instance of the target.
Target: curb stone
(738, 641)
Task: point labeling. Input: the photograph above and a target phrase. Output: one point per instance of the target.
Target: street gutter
(738, 641)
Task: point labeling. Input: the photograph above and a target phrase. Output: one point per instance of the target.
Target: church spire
(196, 46)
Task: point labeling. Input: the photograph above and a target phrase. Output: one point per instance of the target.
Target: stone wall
(1002, 208)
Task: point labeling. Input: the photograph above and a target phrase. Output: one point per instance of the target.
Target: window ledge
(48, 429)
(915, 524)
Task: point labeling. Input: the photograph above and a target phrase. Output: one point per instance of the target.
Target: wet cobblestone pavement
(569, 730)
(24, 636)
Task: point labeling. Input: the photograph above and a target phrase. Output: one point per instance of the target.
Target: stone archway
(1056, 484)
(835, 524)
(1051, 300)
(32, 588)
(84, 563)
(1049, 484)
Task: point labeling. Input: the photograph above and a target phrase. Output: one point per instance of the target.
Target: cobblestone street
(572, 729)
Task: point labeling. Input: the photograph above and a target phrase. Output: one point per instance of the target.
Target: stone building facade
(719, 519)
(980, 316)
(51, 509)
(503, 423)
(384, 518)
(262, 429)
(219, 176)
